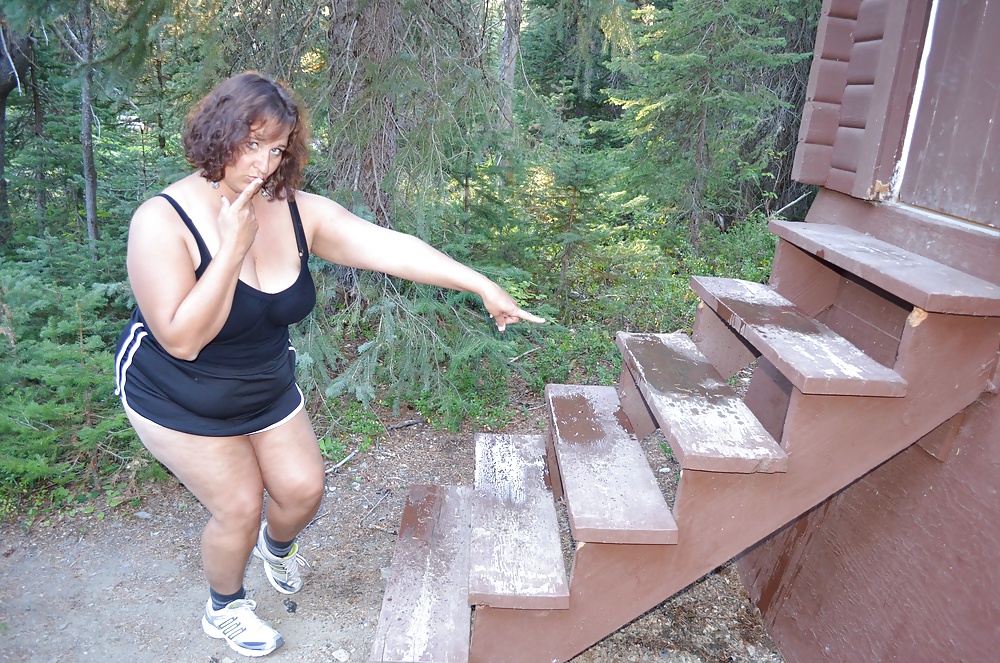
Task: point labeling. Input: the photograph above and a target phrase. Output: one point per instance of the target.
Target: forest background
(589, 155)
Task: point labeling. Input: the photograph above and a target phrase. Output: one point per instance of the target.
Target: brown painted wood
(515, 558)
(870, 318)
(831, 441)
(634, 406)
(799, 277)
(903, 560)
(707, 425)
(552, 474)
(930, 285)
(837, 40)
(846, 149)
(812, 163)
(720, 343)
(821, 129)
(768, 396)
(940, 441)
(864, 66)
(955, 132)
(809, 354)
(425, 612)
(611, 493)
(967, 247)
(900, 26)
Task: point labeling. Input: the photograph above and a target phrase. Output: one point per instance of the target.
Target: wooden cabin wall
(857, 99)
(955, 130)
(904, 565)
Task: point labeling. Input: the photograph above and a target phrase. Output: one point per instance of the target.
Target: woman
(205, 370)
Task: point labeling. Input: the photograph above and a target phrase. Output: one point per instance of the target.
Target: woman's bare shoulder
(159, 208)
(315, 204)
(152, 212)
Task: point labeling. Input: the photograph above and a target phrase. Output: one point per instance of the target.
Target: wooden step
(516, 557)
(611, 492)
(811, 355)
(425, 609)
(923, 282)
(708, 426)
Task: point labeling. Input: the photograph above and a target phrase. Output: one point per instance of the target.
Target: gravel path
(129, 587)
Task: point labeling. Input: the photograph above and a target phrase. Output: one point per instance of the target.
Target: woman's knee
(304, 489)
(238, 509)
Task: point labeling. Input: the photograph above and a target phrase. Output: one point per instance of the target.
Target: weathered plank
(611, 493)
(929, 285)
(516, 557)
(813, 357)
(708, 426)
(425, 613)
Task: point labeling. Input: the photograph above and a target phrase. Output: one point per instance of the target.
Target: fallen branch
(344, 461)
(776, 213)
(408, 422)
(316, 518)
(372, 510)
(524, 354)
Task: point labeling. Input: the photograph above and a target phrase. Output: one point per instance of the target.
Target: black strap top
(257, 327)
(243, 381)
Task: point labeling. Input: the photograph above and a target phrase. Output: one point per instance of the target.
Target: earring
(214, 185)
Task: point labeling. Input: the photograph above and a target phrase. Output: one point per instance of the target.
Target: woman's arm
(338, 236)
(184, 313)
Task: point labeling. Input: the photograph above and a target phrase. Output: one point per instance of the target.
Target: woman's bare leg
(224, 475)
(291, 468)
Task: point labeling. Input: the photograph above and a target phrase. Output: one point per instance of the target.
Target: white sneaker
(241, 628)
(283, 572)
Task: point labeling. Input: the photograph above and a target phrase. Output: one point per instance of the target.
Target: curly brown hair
(218, 126)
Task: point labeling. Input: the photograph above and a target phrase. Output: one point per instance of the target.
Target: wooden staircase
(861, 349)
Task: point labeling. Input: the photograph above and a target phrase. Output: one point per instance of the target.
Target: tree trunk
(510, 48)
(41, 200)
(13, 66)
(363, 39)
(87, 127)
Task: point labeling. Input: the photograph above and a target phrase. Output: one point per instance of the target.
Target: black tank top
(243, 381)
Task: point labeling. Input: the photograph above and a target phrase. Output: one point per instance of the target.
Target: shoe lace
(246, 605)
(241, 618)
(296, 558)
(291, 562)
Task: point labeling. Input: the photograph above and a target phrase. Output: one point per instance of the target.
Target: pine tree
(697, 103)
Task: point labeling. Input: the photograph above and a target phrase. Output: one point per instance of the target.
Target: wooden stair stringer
(831, 441)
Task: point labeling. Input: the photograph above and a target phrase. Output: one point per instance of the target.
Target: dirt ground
(130, 588)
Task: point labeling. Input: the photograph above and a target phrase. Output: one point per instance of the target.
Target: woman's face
(259, 156)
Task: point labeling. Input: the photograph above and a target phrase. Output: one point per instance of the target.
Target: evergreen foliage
(697, 102)
(637, 127)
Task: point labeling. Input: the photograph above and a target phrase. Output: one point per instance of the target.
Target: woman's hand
(504, 310)
(237, 221)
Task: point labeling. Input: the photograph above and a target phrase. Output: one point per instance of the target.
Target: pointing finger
(530, 317)
(248, 193)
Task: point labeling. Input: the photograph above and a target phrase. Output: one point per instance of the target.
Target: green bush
(60, 422)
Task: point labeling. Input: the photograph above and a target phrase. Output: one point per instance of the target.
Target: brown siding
(902, 566)
(851, 131)
(954, 162)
